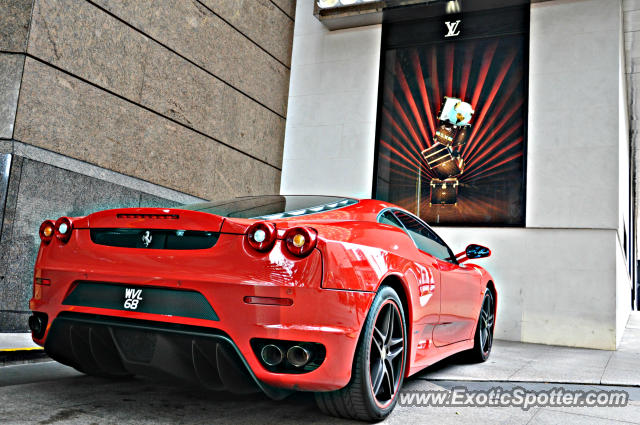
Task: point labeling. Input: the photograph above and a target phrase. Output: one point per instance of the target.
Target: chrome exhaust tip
(298, 356)
(271, 355)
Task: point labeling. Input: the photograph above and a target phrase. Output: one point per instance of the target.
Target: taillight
(63, 229)
(261, 236)
(300, 241)
(47, 230)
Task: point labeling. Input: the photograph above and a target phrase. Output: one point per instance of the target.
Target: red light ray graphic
(415, 156)
(433, 75)
(507, 96)
(398, 163)
(415, 60)
(492, 94)
(411, 102)
(494, 146)
(407, 123)
(417, 161)
(448, 91)
(484, 70)
(394, 150)
(466, 70)
(485, 142)
(408, 143)
(495, 173)
(504, 161)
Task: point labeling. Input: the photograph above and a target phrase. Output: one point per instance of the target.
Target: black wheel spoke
(388, 318)
(393, 354)
(378, 341)
(390, 330)
(396, 341)
(391, 379)
(379, 377)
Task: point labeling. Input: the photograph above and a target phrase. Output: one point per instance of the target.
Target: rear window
(271, 207)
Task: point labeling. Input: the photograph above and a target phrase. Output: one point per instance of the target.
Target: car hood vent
(155, 238)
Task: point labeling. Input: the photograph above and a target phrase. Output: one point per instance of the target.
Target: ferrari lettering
(132, 298)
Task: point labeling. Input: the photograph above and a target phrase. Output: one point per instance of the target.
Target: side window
(424, 238)
(388, 218)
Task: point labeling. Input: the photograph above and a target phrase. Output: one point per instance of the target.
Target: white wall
(331, 117)
(562, 279)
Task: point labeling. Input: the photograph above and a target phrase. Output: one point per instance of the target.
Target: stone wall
(133, 103)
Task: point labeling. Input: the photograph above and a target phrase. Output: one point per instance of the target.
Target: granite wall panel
(61, 113)
(85, 41)
(35, 197)
(14, 24)
(194, 32)
(287, 6)
(261, 21)
(10, 75)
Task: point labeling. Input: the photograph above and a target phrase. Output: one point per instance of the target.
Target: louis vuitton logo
(452, 28)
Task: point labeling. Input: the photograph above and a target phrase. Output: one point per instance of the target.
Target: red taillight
(47, 230)
(41, 281)
(261, 236)
(300, 241)
(63, 229)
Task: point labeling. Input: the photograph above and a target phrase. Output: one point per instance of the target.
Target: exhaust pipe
(298, 356)
(37, 325)
(271, 355)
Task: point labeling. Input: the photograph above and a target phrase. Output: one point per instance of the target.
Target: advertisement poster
(452, 130)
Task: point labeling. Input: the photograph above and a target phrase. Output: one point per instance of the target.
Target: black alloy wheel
(386, 356)
(378, 366)
(483, 340)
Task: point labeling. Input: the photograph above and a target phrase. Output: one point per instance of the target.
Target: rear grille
(154, 238)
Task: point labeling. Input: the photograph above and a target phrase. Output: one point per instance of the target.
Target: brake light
(47, 230)
(63, 229)
(300, 241)
(261, 236)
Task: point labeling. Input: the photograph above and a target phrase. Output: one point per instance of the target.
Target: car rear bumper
(224, 276)
(115, 346)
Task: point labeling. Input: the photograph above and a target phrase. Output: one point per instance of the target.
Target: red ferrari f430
(342, 297)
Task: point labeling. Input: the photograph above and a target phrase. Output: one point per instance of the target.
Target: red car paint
(332, 288)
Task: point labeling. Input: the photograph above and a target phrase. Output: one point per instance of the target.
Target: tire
(381, 353)
(483, 338)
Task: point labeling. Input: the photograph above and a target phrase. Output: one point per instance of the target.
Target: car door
(459, 284)
(426, 306)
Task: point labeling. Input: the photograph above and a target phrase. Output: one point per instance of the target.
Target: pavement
(17, 342)
(50, 393)
(517, 361)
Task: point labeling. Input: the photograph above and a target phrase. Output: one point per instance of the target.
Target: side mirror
(473, 251)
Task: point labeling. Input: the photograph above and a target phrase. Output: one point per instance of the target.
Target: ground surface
(49, 393)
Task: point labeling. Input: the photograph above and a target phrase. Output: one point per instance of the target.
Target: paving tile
(623, 369)
(562, 364)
